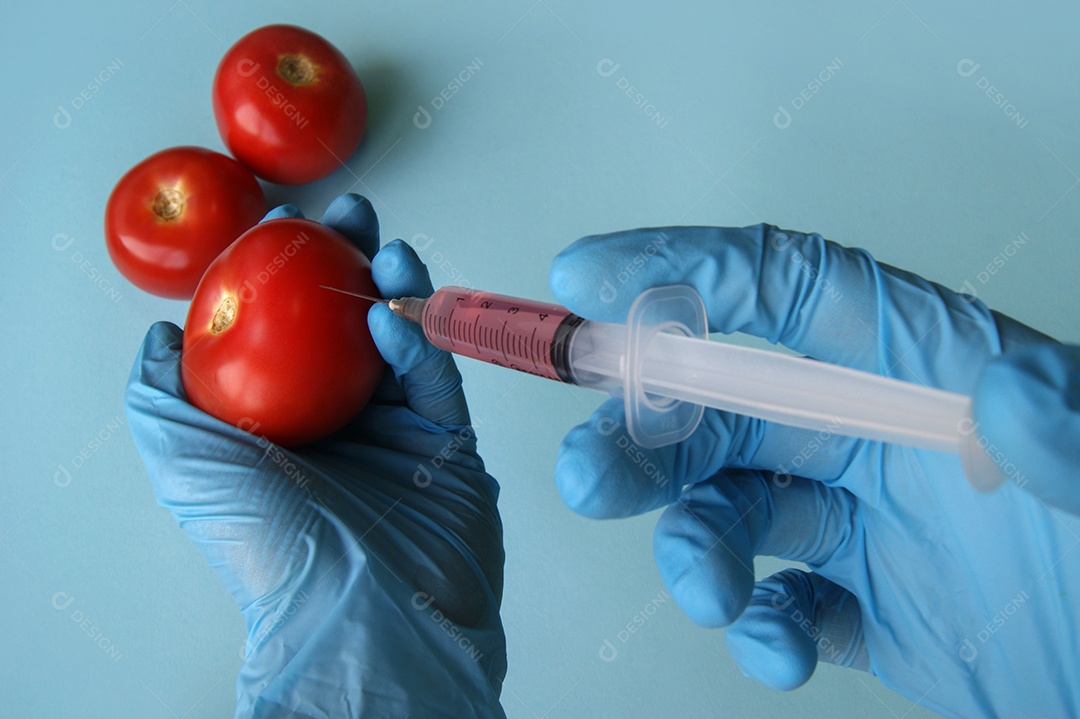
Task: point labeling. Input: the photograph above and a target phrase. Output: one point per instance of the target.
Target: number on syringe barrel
(498, 329)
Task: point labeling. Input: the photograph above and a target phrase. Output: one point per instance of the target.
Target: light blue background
(897, 152)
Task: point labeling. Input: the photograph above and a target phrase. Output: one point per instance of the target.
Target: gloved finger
(428, 375)
(350, 214)
(705, 543)
(205, 472)
(814, 296)
(354, 217)
(1027, 409)
(282, 211)
(601, 473)
(793, 621)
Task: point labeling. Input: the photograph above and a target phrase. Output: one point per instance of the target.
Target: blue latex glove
(966, 603)
(368, 566)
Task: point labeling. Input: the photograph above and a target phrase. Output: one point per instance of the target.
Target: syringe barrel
(521, 334)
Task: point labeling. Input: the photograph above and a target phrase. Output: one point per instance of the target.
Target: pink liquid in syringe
(507, 331)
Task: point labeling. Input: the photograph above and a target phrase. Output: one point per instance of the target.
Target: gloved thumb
(1027, 409)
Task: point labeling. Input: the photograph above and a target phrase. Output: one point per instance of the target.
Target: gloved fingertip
(400, 342)
(353, 206)
(354, 217)
(155, 401)
(395, 257)
(282, 211)
(1026, 408)
(770, 648)
(601, 474)
(707, 566)
(157, 365)
(579, 485)
(577, 284)
(398, 271)
(771, 641)
(163, 338)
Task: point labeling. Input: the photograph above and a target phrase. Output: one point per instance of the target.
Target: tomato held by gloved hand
(369, 566)
(271, 351)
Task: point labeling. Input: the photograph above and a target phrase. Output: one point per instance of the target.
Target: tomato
(170, 215)
(269, 350)
(288, 104)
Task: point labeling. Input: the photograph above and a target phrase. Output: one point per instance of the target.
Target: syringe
(666, 370)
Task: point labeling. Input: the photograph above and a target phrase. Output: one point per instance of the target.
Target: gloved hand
(963, 602)
(368, 566)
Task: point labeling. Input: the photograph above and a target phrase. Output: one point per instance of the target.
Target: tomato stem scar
(224, 316)
(168, 203)
(297, 69)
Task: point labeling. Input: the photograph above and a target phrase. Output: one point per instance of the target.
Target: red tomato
(269, 350)
(288, 104)
(170, 216)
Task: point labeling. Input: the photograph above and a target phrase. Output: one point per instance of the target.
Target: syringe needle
(411, 308)
(355, 294)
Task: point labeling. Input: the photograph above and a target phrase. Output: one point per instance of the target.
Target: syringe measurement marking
(532, 343)
(454, 325)
(513, 346)
(525, 343)
(531, 350)
(505, 342)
